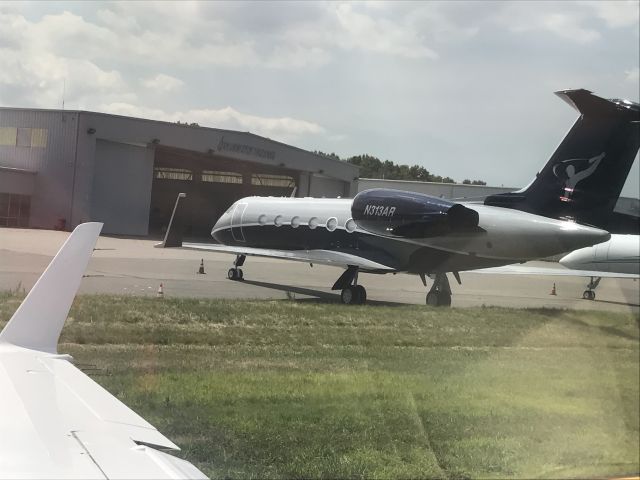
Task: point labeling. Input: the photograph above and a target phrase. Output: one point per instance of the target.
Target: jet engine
(398, 213)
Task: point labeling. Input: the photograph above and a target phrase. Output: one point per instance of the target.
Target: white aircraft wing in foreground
(56, 422)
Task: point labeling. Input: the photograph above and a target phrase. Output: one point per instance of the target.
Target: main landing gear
(235, 273)
(440, 293)
(352, 293)
(589, 293)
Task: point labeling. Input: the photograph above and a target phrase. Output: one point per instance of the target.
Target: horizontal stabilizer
(586, 103)
(39, 319)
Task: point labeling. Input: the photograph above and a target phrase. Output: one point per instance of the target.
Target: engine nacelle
(398, 213)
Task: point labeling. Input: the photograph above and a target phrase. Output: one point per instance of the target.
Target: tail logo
(566, 171)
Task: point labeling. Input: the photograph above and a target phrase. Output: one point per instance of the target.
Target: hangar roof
(243, 146)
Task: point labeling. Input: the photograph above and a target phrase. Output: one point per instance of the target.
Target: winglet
(586, 103)
(39, 319)
(173, 237)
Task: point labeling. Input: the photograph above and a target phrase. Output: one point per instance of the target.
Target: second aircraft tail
(583, 179)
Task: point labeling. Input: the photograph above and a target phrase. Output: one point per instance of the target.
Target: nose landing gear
(235, 273)
(589, 293)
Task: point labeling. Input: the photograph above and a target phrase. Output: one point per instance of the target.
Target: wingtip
(39, 319)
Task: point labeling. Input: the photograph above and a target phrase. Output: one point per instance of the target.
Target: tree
(373, 167)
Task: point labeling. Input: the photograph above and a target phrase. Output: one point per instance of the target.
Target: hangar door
(121, 192)
(212, 183)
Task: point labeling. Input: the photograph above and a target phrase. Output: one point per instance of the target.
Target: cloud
(633, 75)
(565, 21)
(162, 83)
(196, 35)
(380, 35)
(279, 128)
(617, 14)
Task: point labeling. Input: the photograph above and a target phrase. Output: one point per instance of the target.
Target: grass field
(304, 389)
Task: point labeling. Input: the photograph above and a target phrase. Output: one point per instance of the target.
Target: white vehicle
(55, 421)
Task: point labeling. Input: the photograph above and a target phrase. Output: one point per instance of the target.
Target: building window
(8, 136)
(14, 210)
(267, 180)
(221, 177)
(166, 173)
(24, 137)
(39, 137)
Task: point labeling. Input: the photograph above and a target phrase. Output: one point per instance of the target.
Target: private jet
(619, 257)
(568, 206)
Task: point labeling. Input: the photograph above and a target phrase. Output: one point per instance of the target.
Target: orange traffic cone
(201, 269)
(553, 290)
(160, 293)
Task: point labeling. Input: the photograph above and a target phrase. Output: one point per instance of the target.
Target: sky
(464, 89)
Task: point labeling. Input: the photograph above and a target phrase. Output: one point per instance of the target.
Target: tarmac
(134, 267)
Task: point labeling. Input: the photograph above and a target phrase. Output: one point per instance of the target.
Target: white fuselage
(621, 254)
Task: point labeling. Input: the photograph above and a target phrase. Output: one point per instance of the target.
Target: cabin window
(350, 226)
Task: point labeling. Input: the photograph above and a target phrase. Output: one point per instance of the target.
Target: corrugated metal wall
(51, 153)
(321, 186)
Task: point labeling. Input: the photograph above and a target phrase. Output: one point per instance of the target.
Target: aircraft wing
(566, 272)
(56, 422)
(321, 257)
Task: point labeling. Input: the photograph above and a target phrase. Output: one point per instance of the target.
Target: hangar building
(59, 168)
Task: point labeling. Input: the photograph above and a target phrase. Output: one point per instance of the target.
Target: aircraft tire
(362, 294)
(589, 295)
(432, 299)
(232, 274)
(240, 274)
(350, 296)
(445, 299)
(438, 299)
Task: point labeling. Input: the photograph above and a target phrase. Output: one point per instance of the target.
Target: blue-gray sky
(462, 88)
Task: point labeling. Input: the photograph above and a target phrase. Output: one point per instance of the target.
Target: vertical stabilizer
(584, 177)
(39, 319)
